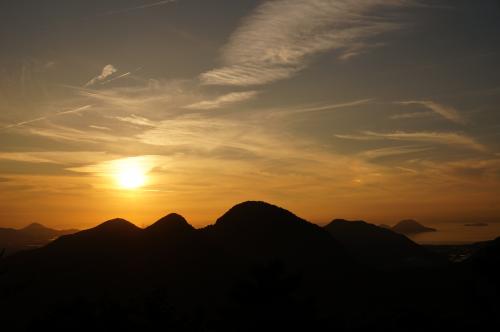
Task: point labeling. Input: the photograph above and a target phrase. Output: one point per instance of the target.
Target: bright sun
(130, 175)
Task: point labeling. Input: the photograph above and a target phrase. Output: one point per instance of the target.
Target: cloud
(99, 127)
(279, 37)
(429, 137)
(107, 71)
(136, 120)
(129, 9)
(224, 100)
(390, 151)
(412, 115)
(318, 108)
(56, 157)
(69, 111)
(445, 111)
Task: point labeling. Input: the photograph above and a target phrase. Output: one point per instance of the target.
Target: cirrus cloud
(278, 38)
(447, 138)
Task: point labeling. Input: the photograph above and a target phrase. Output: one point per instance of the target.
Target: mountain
(258, 230)
(32, 236)
(380, 247)
(411, 227)
(172, 223)
(197, 266)
(255, 267)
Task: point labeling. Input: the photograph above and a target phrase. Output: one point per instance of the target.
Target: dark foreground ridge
(258, 267)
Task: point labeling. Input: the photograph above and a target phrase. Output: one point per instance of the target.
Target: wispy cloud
(70, 111)
(411, 115)
(136, 120)
(318, 108)
(107, 71)
(447, 112)
(99, 127)
(390, 151)
(278, 38)
(56, 157)
(129, 9)
(224, 100)
(429, 137)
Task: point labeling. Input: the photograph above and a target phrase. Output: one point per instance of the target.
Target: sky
(371, 109)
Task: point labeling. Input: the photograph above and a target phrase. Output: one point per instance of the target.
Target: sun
(130, 175)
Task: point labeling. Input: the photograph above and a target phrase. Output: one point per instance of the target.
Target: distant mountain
(410, 227)
(32, 236)
(381, 247)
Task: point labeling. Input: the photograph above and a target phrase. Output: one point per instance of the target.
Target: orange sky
(143, 110)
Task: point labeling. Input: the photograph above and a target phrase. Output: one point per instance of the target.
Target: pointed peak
(172, 222)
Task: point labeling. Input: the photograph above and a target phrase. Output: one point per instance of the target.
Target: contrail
(120, 76)
(125, 10)
(70, 111)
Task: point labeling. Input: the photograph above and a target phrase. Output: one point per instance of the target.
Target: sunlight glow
(130, 174)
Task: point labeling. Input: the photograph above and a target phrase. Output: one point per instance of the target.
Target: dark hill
(256, 263)
(380, 247)
(487, 257)
(261, 231)
(172, 223)
(108, 232)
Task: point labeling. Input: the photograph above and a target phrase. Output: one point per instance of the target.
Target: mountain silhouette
(256, 266)
(172, 223)
(101, 237)
(410, 227)
(380, 247)
(258, 230)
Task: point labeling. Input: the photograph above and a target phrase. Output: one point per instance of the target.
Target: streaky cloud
(136, 120)
(447, 112)
(278, 38)
(70, 111)
(447, 138)
(224, 100)
(129, 9)
(390, 151)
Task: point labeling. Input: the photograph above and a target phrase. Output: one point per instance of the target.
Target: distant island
(476, 224)
(411, 227)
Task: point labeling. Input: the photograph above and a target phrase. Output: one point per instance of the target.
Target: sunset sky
(373, 109)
